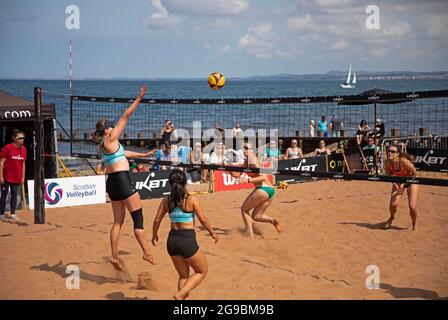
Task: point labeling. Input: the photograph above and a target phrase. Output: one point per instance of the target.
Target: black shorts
(182, 243)
(119, 186)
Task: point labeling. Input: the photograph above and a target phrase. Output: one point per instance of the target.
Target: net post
(39, 206)
(71, 125)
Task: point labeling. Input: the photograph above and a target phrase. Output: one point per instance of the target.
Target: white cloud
(398, 29)
(225, 49)
(259, 41)
(339, 44)
(332, 3)
(207, 7)
(337, 30)
(437, 26)
(162, 19)
(196, 28)
(301, 23)
(380, 53)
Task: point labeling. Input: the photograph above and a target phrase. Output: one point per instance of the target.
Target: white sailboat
(347, 84)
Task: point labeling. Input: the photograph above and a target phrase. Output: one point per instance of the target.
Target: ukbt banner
(66, 192)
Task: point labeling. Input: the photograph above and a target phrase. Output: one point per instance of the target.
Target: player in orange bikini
(398, 165)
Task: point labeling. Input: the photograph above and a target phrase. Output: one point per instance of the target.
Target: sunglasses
(20, 138)
(246, 148)
(393, 151)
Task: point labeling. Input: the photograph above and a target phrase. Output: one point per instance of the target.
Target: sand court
(333, 232)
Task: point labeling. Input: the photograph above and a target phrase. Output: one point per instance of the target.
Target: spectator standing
(237, 132)
(336, 126)
(322, 126)
(12, 172)
(311, 128)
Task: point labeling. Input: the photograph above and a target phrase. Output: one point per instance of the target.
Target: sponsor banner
(312, 164)
(369, 155)
(67, 192)
(430, 159)
(335, 162)
(152, 184)
(225, 182)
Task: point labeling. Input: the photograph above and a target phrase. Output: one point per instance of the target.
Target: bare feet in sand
(178, 296)
(278, 226)
(149, 258)
(388, 224)
(116, 263)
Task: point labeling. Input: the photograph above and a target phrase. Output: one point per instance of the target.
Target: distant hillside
(331, 75)
(337, 75)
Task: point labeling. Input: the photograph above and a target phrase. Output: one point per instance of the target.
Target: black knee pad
(137, 217)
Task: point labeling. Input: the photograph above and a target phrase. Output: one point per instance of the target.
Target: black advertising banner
(430, 159)
(152, 184)
(369, 155)
(314, 164)
(335, 162)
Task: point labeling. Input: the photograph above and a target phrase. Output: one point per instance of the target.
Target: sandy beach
(333, 232)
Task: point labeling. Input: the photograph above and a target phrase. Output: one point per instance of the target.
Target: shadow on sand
(60, 269)
(409, 293)
(120, 296)
(373, 226)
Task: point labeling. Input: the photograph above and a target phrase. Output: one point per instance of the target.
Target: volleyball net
(405, 116)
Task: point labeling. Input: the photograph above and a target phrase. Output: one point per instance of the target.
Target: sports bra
(109, 159)
(291, 153)
(403, 172)
(178, 215)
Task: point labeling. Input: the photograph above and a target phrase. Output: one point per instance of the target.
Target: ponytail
(178, 182)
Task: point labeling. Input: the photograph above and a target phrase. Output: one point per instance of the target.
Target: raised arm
(161, 212)
(197, 208)
(132, 154)
(116, 132)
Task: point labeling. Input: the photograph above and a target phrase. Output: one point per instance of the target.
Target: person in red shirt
(12, 171)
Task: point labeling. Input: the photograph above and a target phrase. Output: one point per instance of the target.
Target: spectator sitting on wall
(164, 154)
(294, 152)
(168, 132)
(322, 126)
(12, 172)
(140, 167)
(219, 131)
(380, 130)
(371, 145)
(272, 151)
(363, 129)
(322, 150)
(197, 157)
(218, 154)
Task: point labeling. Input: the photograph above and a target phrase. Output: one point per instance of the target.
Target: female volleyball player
(119, 186)
(181, 243)
(260, 198)
(399, 165)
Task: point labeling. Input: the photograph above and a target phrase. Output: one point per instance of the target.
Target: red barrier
(225, 182)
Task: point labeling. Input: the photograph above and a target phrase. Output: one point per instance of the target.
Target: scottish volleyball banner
(67, 192)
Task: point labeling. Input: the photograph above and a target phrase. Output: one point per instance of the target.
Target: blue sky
(179, 38)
